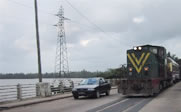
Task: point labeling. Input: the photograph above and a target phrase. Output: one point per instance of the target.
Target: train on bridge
(149, 71)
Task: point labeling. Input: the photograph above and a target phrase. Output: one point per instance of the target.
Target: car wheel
(76, 96)
(97, 94)
(107, 92)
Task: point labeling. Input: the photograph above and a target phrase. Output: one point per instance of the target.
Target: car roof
(95, 78)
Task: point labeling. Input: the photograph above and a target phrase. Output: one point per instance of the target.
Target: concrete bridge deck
(33, 101)
(168, 101)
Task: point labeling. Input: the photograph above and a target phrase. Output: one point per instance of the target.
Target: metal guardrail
(28, 91)
(62, 88)
(24, 91)
(17, 92)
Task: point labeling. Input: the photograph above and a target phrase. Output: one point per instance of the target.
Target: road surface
(69, 104)
(113, 103)
(167, 101)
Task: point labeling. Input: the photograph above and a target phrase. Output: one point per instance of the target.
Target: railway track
(126, 104)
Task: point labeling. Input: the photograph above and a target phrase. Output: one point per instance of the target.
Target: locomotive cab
(146, 68)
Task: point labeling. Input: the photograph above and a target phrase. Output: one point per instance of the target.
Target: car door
(107, 85)
(102, 85)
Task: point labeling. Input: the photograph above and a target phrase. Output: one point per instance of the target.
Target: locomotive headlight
(139, 48)
(135, 48)
(130, 69)
(146, 68)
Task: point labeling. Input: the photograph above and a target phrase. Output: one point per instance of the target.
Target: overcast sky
(126, 23)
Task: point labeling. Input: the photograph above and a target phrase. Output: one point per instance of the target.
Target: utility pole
(61, 61)
(38, 41)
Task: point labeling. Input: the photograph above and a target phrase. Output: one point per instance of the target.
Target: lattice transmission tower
(61, 59)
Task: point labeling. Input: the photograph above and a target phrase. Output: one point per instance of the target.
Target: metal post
(19, 92)
(61, 86)
(38, 42)
(37, 90)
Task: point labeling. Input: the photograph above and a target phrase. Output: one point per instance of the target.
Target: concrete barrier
(43, 89)
(114, 82)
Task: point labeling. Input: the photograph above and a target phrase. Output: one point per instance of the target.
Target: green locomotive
(148, 71)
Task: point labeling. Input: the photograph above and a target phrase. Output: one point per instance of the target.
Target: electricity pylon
(61, 60)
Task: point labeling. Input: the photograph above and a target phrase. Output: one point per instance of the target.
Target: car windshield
(91, 81)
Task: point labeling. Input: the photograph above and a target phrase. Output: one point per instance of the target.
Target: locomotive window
(161, 53)
(153, 50)
(165, 61)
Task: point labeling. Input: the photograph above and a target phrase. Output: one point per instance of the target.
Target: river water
(32, 81)
(8, 87)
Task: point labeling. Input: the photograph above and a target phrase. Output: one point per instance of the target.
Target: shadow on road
(91, 97)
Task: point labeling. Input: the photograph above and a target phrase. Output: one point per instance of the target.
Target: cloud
(138, 20)
(84, 43)
(70, 45)
(1, 28)
(96, 55)
(126, 23)
(25, 44)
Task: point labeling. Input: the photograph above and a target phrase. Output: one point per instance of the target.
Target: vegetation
(110, 73)
(173, 56)
(113, 73)
(81, 74)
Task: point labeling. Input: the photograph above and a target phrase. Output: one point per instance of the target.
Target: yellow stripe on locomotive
(138, 65)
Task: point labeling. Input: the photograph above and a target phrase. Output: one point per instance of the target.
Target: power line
(20, 3)
(85, 17)
(27, 6)
(75, 22)
(43, 11)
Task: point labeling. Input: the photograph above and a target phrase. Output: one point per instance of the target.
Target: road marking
(129, 108)
(112, 105)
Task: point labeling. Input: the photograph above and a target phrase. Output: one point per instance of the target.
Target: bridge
(167, 101)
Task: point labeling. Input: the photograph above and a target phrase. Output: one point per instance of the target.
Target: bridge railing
(17, 92)
(8, 93)
(27, 91)
(24, 91)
